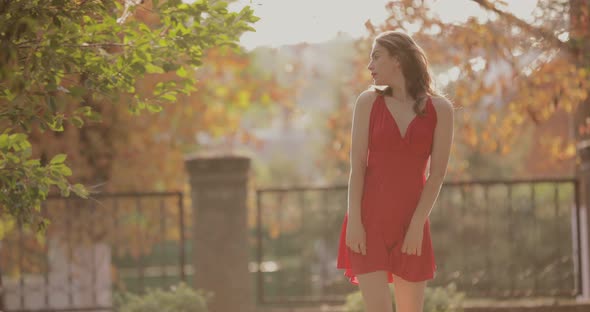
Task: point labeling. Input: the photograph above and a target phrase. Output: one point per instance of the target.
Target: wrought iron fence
(491, 238)
(93, 250)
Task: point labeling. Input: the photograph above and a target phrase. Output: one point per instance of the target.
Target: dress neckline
(408, 128)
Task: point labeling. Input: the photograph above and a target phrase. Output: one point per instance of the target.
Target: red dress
(394, 179)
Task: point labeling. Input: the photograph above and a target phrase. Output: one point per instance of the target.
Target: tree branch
(535, 31)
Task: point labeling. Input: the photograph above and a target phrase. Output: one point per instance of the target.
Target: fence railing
(491, 238)
(94, 249)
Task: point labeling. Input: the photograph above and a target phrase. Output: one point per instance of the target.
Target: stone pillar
(220, 234)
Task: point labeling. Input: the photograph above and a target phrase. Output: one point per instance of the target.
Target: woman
(385, 234)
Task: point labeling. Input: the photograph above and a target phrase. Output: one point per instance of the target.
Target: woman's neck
(399, 94)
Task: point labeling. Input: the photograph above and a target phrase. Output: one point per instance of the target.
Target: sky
(293, 21)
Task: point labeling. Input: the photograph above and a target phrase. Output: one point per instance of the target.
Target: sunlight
(449, 76)
(477, 63)
(289, 22)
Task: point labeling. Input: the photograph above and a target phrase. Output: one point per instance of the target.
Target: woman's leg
(375, 291)
(409, 296)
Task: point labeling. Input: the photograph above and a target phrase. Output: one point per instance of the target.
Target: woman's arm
(358, 153)
(439, 159)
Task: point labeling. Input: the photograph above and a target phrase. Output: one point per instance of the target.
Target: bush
(181, 298)
(436, 299)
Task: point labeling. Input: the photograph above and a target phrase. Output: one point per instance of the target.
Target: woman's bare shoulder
(367, 97)
(438, 100)
(442, 105)
(444, 109)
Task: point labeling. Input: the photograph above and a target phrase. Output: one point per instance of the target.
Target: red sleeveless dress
(394, 179)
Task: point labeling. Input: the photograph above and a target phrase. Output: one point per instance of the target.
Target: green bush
(181, 298)
(436, 299)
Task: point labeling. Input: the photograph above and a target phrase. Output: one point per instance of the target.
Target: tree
(62, 59)
(513, 74)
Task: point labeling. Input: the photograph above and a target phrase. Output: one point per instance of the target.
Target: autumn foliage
(506, 76)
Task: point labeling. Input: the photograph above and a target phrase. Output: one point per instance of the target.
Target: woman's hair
(414, 64)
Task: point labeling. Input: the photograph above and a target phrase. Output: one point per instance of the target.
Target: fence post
(578, 17)
(220, 234)
(583, 149)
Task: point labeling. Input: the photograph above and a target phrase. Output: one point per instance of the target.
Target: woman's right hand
(355, 237)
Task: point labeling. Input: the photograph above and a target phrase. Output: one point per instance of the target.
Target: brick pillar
(220, 236)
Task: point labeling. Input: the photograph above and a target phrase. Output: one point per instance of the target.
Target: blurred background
(274, 82)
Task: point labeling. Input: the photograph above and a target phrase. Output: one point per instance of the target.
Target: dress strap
(372, 121)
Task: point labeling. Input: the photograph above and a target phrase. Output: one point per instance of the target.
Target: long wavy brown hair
(414, 64)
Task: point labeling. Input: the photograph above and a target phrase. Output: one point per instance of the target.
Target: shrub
(436, 299)
(181, 298)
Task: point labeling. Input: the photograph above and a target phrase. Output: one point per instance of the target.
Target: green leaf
(65, 170)
(3, 141)
(153, 69)
(42, 230)
(77, 121)
(154, 108)
(80, 190)
(169, 97)
(107, 74)
(56, 124)
(84, 110)
(58, 159)
(32, 163)
(95, 116)
(9, 95)
(145, 28)
(64, 191)
(181, 72)
(12, 158)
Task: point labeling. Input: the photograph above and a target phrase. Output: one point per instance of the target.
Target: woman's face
(384, 68)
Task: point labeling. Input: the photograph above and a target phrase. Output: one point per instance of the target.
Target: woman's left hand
(413, 240)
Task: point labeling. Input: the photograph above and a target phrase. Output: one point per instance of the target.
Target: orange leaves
(220, 91)
(505, 75)
(214, 119)
(555, 85)
(559, 148)
(229, 86)
(247, 137)
(370, 27)
(242, 99)
(469, 135)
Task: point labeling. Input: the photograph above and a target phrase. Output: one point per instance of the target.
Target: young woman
(385, 235)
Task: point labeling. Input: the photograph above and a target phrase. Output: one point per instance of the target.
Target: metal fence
(93, 250)
(498, 239)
